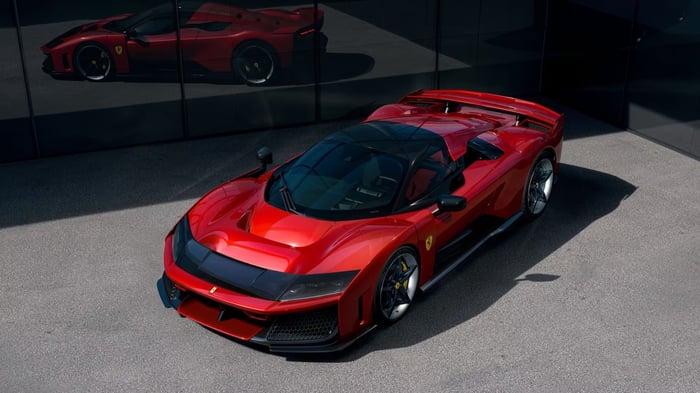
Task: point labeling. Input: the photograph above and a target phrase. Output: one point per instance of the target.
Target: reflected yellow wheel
(93, 62)
(254, 63)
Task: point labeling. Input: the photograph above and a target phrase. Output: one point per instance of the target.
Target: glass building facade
(634, 63)
(82, 76)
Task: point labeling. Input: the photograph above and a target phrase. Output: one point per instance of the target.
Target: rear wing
(522, 109)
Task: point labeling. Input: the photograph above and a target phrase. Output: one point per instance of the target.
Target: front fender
(352, 246)
(367, 248)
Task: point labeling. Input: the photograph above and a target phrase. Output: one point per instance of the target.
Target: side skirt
(461, 258)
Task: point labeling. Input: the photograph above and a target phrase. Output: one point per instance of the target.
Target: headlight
(316, 285)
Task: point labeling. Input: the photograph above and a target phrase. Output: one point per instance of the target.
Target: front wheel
(93, 62)
(254, 64)
(397, 286)
(538, 188)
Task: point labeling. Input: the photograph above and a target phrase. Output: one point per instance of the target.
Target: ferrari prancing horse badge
(118, 49)
(428, 242)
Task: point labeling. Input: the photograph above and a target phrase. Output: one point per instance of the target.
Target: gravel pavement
(600, 294)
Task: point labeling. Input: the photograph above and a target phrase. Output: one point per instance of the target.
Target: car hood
(234, 220)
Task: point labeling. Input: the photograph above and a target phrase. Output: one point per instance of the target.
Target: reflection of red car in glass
(311, 255)
(216, 38)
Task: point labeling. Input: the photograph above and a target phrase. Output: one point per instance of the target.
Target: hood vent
(244, 222)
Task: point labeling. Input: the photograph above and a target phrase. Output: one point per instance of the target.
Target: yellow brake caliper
(404, 267)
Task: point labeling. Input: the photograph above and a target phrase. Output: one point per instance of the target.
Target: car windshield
(338, 180)
(122, 25)
(367, 170)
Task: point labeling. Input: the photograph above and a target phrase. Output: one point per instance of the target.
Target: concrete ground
(600, 294)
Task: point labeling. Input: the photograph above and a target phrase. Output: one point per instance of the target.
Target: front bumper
(47, 66)
(244, 301)
(309, 331)
(56, 65)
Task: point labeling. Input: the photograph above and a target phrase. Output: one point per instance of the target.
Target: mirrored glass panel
(492, 46)
(664, 85)
(377, 51)
(101, 74)
(249, 64)
(587, 55)
(458, 43)
(16, 139)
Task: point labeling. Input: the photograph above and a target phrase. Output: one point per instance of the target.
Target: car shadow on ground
(82, 184)
(581, 197)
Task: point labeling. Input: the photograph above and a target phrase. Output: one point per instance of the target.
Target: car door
(447, 234)
(152, 44)
(434, 174)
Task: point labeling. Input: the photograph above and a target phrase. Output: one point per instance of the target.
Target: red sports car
(215, 38)
(311, 255)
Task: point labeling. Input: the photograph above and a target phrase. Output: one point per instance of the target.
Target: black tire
(397, 286)
(538, 186)
(254, 63)
(93, 62)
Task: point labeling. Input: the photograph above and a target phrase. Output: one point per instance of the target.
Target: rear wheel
(254, 63)
(397, 286)
(538, 188)
(93, 62)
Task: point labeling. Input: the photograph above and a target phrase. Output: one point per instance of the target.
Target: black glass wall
(635, 63)
(491, 45)
(16, 132)
(81, 75)
(664, 81)
(377, 51)
(249, 65)
(75, 59)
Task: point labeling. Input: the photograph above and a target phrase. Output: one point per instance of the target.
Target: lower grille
(170, 292)
(170, 289)
(312, 327)
(47, 65)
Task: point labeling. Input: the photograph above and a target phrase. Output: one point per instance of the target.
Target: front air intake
(312, 327)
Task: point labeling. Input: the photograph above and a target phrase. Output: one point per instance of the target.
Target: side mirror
(450, 203)
(265, 157)
(132, 35)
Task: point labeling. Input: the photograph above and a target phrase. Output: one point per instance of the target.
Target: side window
(430, 172)
(157, 25)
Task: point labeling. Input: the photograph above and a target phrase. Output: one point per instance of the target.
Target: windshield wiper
(286, 195)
